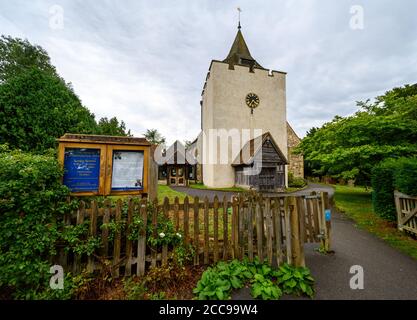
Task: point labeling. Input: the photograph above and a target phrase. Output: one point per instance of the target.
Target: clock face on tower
(252, 100)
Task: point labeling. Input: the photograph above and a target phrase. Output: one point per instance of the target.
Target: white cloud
(145, 61)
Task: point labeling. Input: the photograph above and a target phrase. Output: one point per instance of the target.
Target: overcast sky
(146, 61)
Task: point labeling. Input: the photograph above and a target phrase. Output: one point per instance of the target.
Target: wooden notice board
(105, 165)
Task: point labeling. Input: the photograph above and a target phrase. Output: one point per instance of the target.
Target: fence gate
(276, 228)
(406, 212)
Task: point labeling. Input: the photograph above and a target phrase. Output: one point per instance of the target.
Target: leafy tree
(37, 107)
(154, 137)
(112, 127)
(17, 56)
(350, 147)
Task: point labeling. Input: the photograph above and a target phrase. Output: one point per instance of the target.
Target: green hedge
(31, 197)
(389, 175)
(295, 182)
(405, 176)
(382, 180)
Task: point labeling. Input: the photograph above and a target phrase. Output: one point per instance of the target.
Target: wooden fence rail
(406, 212)
(272, 228)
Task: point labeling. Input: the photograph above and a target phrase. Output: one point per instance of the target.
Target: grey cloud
(145, 61)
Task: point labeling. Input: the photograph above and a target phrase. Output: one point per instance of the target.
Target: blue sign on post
(82, 169)
(328, 214)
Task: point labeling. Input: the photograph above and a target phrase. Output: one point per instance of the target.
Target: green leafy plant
(295, 280)
(264, 288)
(183, 254)
(217, 282)
(135, 290)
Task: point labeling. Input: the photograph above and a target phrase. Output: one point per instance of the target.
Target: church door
(177, 175)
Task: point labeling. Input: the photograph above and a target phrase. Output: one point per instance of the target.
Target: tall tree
(17, 56)
(112, 127)
(350, 147)
(37, 105)
(36, 108)
(154, 137)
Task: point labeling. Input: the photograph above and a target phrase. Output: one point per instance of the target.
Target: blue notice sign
(328, 214)
(82, 169)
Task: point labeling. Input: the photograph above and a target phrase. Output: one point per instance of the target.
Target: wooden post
(176, 214)
(309, 207)
(315, 213)
(225, 230)
(92, 232)
(251, 210)
(276, 218)
(165, 246)
(235, 228)
(268, 227)
(129, 245)
(399, 210)
(141, 249)
(196, 231)
(327, 222)
(154, 249)
(241, 228)
(105, 232)
(259, 229)
(301, 228)
(288, 239)
(80, 220)
(206, 230)
(186, 221)
(216, 228)
(295, 232)
(117, 240)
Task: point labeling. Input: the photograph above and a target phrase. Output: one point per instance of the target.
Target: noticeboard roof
(97, 139)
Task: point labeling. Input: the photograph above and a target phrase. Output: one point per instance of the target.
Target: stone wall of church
(296, 161)
(224, 107)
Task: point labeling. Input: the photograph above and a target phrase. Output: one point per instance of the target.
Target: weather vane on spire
(240, 10)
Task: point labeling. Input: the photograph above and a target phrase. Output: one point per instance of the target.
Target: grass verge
(203, 187)
(356, 203)
(166, 191)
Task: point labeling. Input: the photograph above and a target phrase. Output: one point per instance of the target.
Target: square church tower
(240, 95)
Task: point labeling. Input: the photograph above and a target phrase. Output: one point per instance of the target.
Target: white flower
(179, 235)
(162, 234)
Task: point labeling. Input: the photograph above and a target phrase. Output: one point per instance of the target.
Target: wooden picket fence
(406, 212)
(272, 228)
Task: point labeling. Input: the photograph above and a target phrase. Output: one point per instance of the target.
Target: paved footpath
(388, 273)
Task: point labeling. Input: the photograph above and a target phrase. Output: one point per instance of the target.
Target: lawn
(203, 187)
(166, 191)
(356, 203)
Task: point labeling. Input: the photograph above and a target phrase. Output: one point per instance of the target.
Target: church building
(241, 99)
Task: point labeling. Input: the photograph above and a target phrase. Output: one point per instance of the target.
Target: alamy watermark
(218, 147)
(357, 20)
(56, 282)
(356, 282)
(56, 17)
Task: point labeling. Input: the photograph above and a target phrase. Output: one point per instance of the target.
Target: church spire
(239, 52)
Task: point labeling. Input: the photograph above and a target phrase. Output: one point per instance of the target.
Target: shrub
(382, 180)
(31, 197)
(405, 176)
(389, 175)
(295, 182)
